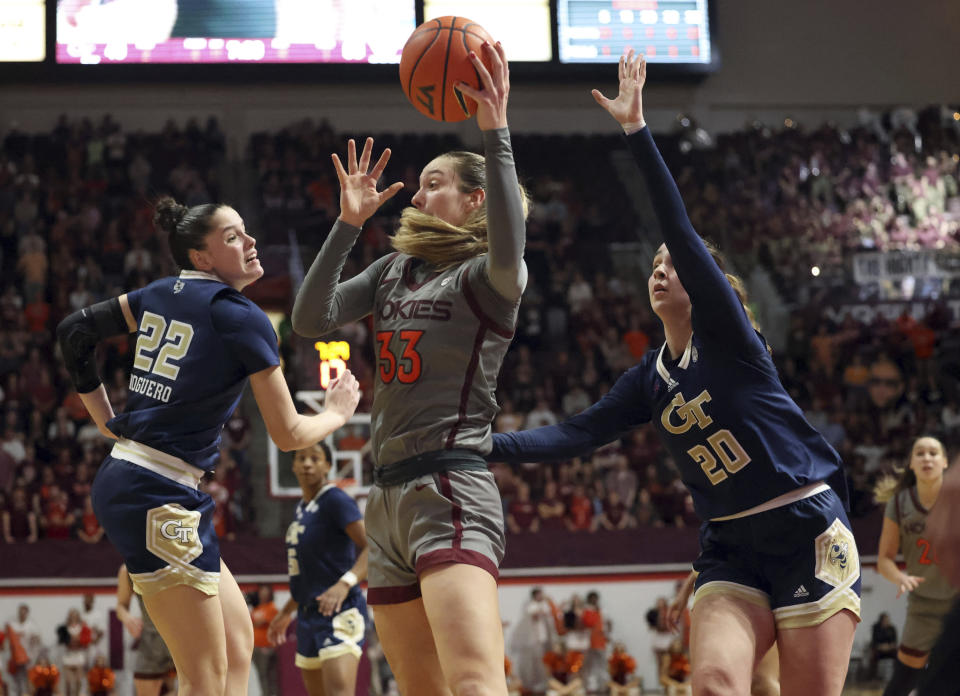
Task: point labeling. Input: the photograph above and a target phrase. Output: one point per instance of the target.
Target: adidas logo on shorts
(801, 592)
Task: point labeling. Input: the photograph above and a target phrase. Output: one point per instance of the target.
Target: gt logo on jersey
(687, 412)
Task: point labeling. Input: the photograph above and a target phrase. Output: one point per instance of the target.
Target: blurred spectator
(883, 648)
(57, 520)
(532, 638)
(19, 521)
(89, 529)
(675, 670)
(101, 678)
(614, 514)
(264, 654)
(550, 508)
(26, 645)
(508, 420)
(74, 636)
(621, 668)
(44, 678)
(623, 481)
(564, 666)
(522, 513)
(659, 629)
(540, 415)
(594, 666)
(514, 683)
(579, 511)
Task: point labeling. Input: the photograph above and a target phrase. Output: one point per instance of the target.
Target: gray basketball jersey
(905, 509)
(440, 340)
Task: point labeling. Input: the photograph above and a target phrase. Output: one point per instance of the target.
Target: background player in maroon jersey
(929, 593)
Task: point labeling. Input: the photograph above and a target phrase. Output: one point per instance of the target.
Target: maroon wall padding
(69, 558)
(115, 637)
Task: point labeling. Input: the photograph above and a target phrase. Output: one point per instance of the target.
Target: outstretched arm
(506, 226)
(715, 304)
(323, 304)
(622, 408)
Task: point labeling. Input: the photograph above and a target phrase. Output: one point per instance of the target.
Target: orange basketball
(435, 58)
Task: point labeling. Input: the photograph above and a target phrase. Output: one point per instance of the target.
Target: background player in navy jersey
(444, 310)
(198, 341)
(778, 560)
(326, 559)
(930, 595)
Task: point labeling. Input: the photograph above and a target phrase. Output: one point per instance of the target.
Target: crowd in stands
(75, 228)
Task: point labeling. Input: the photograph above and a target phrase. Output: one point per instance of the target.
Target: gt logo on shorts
(172, 530)
(837, 559)
(172, 533)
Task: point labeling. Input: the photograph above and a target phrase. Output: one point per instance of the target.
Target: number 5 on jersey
(404, 364)
(177, 338)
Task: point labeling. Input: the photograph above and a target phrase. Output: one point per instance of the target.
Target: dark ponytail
(186, 228)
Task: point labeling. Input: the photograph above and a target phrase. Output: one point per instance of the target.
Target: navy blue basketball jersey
(735, 434)
(198, 340)
(319, 550)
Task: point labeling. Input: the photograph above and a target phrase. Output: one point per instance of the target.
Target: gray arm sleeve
(323, 303)
(506, 227)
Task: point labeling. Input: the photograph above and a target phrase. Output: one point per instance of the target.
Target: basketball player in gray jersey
(444, 310)
(154, 665)
(909, 499)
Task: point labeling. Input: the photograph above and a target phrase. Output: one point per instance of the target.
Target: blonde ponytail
(439, 243)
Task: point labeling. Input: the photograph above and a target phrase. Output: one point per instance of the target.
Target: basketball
(434, 59)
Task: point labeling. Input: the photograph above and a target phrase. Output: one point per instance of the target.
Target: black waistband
(428, 463)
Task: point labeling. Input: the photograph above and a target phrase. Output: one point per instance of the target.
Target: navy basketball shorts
(148, 504)
(435, 519)
(320, 638)
(799, 560)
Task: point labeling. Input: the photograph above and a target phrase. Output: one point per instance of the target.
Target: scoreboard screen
(522, 26)
(22, 32)
(232, 31)
(665, 31)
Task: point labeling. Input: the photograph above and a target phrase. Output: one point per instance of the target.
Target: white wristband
(349, 577)
(630, 128)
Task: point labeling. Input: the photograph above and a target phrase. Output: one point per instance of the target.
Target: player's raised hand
(492, 99)
(343, 395)
(627, 108)
(359, 197)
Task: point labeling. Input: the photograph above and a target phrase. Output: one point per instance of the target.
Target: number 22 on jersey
(176, 338)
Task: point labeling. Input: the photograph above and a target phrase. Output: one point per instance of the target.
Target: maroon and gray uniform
(440, 339)
(932, 599)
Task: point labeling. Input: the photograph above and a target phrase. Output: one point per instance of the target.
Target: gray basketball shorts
(445, 517)
(924, 623)
(153, 659)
